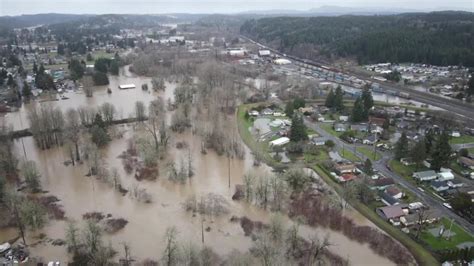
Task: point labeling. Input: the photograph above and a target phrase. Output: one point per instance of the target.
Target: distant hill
(38, 19)
(440, 38)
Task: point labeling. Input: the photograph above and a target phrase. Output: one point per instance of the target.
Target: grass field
(369, 152)
(349, 155)
(328, 128)
(461, 140)
(443, 243)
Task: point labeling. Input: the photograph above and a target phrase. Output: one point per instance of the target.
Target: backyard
(459, 236)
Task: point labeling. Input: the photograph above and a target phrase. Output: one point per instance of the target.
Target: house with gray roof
(425, 175)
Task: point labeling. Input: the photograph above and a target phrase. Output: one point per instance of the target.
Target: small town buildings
(379, 121)
(466, 162)
(346, 177)
(306, 110)
(343, 168)
(338, 127)
(369, 140)
(425, 175)
(253, 113)
(127, 86)
(279, 142)
(360, 127)
(388, 200)
(343, 118)
(319, 141)
(382, 183)
(455, 183)
(415, 206)
(445, 176)
(394, 192)
(267, 111)
(391, 213)
(439, 185)
(264, 53)
(281, 61)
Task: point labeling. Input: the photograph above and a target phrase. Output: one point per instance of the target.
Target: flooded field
(147, 223)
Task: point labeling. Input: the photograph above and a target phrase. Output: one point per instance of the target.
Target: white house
(445, 176)
(280, 141)
(425, 175)
(263, 53)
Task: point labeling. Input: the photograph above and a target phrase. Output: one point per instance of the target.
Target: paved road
(460, 110)
(462, 146)
(381, 166)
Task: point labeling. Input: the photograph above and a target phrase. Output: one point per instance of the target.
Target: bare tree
(316, 248)
(249, 182)
(31, 175)
(108, 112)
(158, 84)
(88, 86)
(73, 130)
(423, 215)
(156, 115)
(140, 111)
(171, 252)
(8, 159)
(86, 115)
(72, 237)
(127, 259)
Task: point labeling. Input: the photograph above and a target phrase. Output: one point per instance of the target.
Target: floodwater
(123, 100)
(147, 222)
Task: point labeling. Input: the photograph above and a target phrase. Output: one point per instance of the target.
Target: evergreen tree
(76, 69)
(298, 129)
(338, 100)
(298, 103)
(401, 147)
(368, 170)
(358, 112)
(367, 99)
(441, 152)
(429, 141)
(418, 153)
(470, 85)
(11, 82)
(114, 67)
(289, 109)
(100, 78)
(26, 90)
(35, 67)
(330, 99)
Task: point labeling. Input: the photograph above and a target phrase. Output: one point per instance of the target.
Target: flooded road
(147, 223)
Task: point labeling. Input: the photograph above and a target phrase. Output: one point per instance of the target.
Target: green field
(462, 140)
(443, 243)
(349, 155)
(369, 153)
(328, 128)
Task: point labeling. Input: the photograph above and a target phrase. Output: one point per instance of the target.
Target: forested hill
(438, 38)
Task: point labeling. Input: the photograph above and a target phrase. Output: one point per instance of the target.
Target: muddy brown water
(147, 222)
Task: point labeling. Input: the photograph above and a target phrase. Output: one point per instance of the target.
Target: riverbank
(421, 255)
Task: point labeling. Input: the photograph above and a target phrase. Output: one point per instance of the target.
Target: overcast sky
(17, 7)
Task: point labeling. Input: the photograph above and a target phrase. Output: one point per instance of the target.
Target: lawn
(321, 157)
(328, 127)
(461, 140)
(442, 243)
(369, 153)
(349, 155)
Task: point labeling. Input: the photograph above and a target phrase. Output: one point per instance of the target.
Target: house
(394, 192)
(455, 134)
(127, 86)
(425, 175)
(415, 218)
(360, 127)
(276, 123)
(267, 111)
(382, 183)
(415, 206)
(455, 183)
(445, 176)
(253, 113)
(390, 212)
(338, 127)
(306, 110)
(439, 185)
(346, 177)
(388, 200)
(319, 141)
(375, 129)
(466, 162)
(279, 142)
(369, 140)
(264, 53)
(343, 118)
(344, 168)
(379, 121)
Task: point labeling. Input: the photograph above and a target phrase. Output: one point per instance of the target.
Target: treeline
(438, 38)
